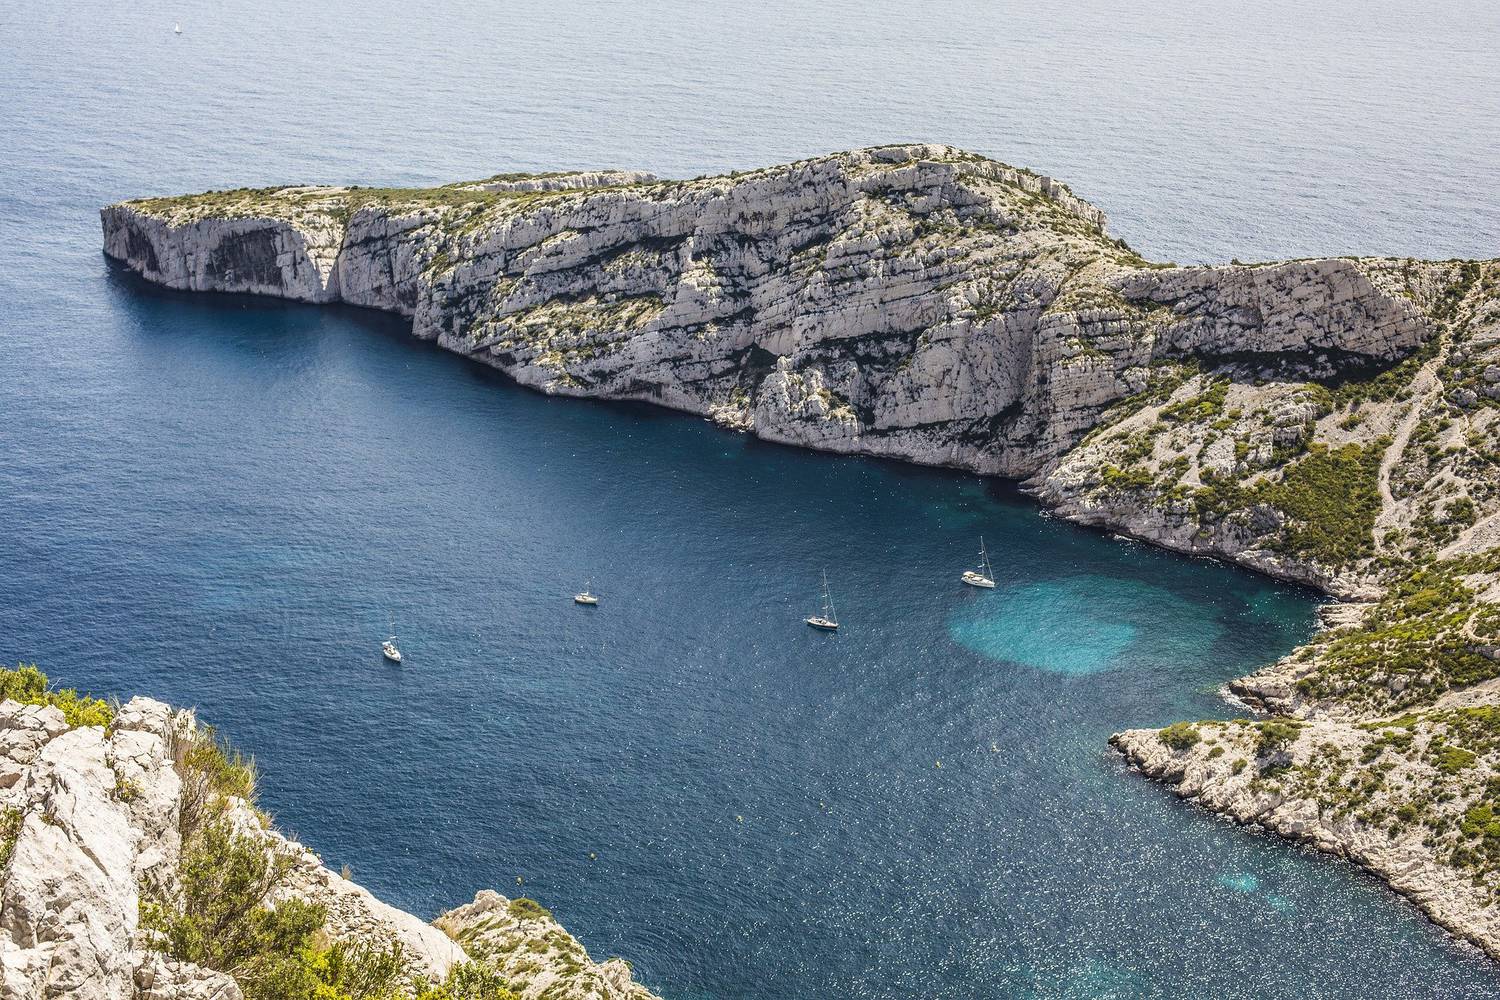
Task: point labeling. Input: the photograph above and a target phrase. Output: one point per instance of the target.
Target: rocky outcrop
(494, 929)
(89, 827)
(1309, 313)
(583, 180)
(68, 909)
(354, 914)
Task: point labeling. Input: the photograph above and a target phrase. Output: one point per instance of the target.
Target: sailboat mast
(828, 611)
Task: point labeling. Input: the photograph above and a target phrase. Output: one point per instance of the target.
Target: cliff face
(1330, 421)
(937, 296)
(915, 302)
(102, 845)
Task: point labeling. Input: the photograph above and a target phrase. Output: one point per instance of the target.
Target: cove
(921, 804)
(225, 502)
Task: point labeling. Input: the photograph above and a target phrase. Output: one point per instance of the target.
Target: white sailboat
(829, 619)
(587, 597)
(176, 29)
(389, 651)
(983, 576)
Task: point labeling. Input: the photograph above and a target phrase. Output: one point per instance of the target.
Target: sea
(228, 503)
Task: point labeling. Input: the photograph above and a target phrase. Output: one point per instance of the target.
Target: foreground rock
(91, 824)
(522, 940)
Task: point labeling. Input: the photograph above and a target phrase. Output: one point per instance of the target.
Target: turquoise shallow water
(224, 502)
(1083, 624)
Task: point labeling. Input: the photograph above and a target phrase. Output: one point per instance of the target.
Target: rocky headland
(1330, 421)
(136, 864)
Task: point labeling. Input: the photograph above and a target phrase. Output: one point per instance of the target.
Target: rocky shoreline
(1334, 422)
(1217, 774)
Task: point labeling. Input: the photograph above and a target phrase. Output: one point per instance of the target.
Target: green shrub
(1135, 478)
(1275, 736)
(1331, 499)
(1451, 760)
(1179, 735)
(358, 972)
(1207, 405)
(528, 909)
(29, 686)
(212, 772)
(220, 916)
(10, 830)
(471, 981)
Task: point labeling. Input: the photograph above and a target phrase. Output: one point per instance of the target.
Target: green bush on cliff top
(1179, 735)
(29, 686)
(1276, 736)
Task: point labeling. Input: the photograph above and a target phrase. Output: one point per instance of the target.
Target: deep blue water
(224, 502)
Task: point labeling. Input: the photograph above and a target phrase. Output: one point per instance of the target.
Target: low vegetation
(1331, 500)
(10, 831)
(1180, 735)
(228, 910)
(29, 686)
(1427, 635)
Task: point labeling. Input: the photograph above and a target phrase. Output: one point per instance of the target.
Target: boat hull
(823, 623)
(975, 580)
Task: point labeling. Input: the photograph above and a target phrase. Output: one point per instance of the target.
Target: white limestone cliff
(915, 302)
(92, 820)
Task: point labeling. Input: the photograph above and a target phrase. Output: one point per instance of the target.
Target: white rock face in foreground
(69, 906)
(98, 818)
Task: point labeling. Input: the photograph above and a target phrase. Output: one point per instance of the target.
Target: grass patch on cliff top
(334, 204)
